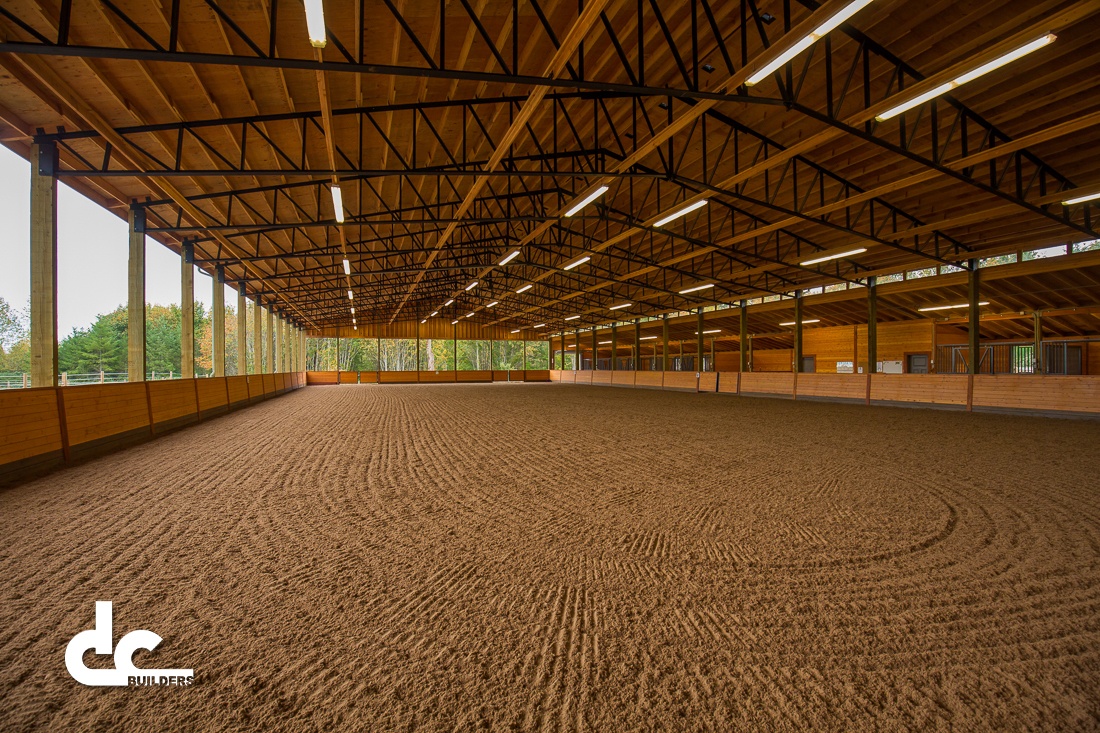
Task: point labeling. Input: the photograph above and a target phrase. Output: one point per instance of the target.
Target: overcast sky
(91, 254)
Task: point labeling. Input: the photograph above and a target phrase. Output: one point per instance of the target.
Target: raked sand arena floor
(547, 557)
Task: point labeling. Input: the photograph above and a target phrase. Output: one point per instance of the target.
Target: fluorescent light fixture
(846, 12)
(516, 331)
(539, 325)
(471, 313)
(578, 263)
(471, 286)
(949, 307)
(682, 212)
(495, 302)
(351, 295)
(425, 320)
(355, 328)
(587, 200)
(347, 266)
(511, 256)
(525, 288)
(715, 330)
(836, 256)
(1082, 199)
(434, 314)
(696, 289)
(353, 311)
(810, 320)
(620, 306)
(603, 343)
(338, 203)
(982, 70)
(647, 338)
(448, 302)
(353, 320)
(454, 321)
(315, 23)
(572, 318)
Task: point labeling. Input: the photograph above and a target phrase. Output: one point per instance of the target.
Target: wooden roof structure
(460, 131)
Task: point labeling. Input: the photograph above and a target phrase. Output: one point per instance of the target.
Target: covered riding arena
(608, 366)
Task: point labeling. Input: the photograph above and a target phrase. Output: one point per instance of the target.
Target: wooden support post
(743, 338)
(975, 338)
(595, 350)
(637, 344)
(187, 311)
(269, 340)
(257, 336)
(664, 340)
(1038, 334)
(699, 340)
(797, 331)
(242, 331)
(872, 325)
(277, 345)
(135, 298)
(44, 264)
(577, 350)
(454, 346)
(614, 346)
(217, 325)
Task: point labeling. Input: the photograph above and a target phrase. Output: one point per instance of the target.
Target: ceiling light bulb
(495, 302)
(572, 318)
(587, 200)
(516, 331)
(338, 203)
(969, 76)
(811, 320)
(1081, 199)
(620, 306)
(471, 286)
(539, 325)
(434, 314)
(682, 212)
(454, 321)
(347, 266)
(836, 256)
(448, 302)
(846, 12)
(949, 307)
(713, 330)
(469, 314)
(696, 289)
(315, 23)
(578, 263)
(511, 256)
(525, 288)
(351, 295)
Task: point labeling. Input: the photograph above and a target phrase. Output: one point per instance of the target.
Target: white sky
(91, 254)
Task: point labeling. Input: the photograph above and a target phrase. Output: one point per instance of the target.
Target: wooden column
(257, 336)
(242, 331)
(595, 349)
(872, 326)
(664, 340)
(187, 311)
(577, 350)
(699, 340)
(44, 264)
(418, 352)
(975, 339)
(217, 326)
(797, 330)
(614, 346)
(637, 343)
(1038, 334)
(743, 338)
(277, 345)
(269, 341)
(135, 298)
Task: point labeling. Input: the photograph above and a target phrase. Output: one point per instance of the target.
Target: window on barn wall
(358, 355)
(397, 355)
(538, 354)
(923, 272)
(1087, 246)
(320, 355)
(947, 269)
(835, 287)
(437, 355)
(897, 277)
(473, 356)
(998, 260)
(1045, 252)
(507, 355)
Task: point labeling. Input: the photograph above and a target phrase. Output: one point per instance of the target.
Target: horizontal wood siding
(772, 360)
(212, 394)
(349, 377)
(833, 386)
(778, 383)
(601, 377)
(622, 379)
(681, 381)
(29, 424)
(320, 377)
(727, 382)
(255, 387)
(708, 381)
(933, 389)
(98, 411)
(368, 377)
(536, 375)
(584, 376)
(173, 400)
(269, 384)
(238, 389)
(479, 375)
(1044, 393)
(652, 380)
(411, 377)
(828, 346)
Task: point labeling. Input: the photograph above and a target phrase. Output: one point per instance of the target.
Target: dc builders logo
(125, 674)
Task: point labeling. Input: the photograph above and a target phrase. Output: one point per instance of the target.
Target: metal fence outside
(22, 380)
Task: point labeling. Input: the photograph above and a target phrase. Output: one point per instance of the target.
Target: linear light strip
(587, 200)
(338, 203)
(837, 256)
(949, 307)
(682, 212)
